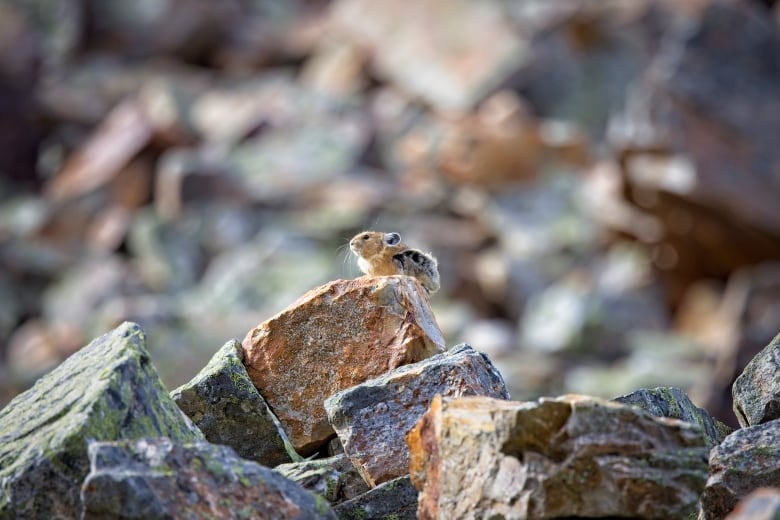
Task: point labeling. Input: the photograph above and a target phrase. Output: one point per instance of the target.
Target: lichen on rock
(222, 401)
(108, 390)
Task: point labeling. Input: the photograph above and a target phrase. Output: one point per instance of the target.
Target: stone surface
(674, 403)
(394, 500)
(373, 418)
(761, 504)
(757, 390)
(477, 457)
(222, 401)
(108, 390)
(748, 459)
(695, 152)
(159, 479)
(450, 53)
(334, 337)
(334, 478)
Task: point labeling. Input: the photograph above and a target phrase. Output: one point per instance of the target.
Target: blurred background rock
(599, 179)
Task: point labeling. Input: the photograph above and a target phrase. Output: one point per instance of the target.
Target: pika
(375, 250)
(424, 267)
(381, 254)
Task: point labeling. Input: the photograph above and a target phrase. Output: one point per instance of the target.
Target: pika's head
(370, 243)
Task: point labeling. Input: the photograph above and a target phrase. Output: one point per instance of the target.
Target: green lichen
(108, 390)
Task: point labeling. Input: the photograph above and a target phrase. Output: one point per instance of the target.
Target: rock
(334, 478)
(746, 460)
(676, 140)
(106, 391)
(334, 337)
(674, 403)
(373, 418)
(478, 457)
(476, 49)
(125, 131)
(761, 504)
(393, 500)
(222, 401)
(757, 390)
(160, 479)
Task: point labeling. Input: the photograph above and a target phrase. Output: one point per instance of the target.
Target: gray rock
(159, 479)
(761, 504)
(757, 390)
(747, 460)
(393, 500)
(674, 403)
(372, 418)
(222, 401)
(334, 478)
(108, 390)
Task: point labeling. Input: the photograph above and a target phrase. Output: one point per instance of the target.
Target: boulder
(695, 151)
(373, 418)
(747, 460)
(392, 500)
(334, 337)
(222, 401)
(106, 391)
(761, 504)
(757, 390)
(159, 479)
(484, 46)
(478, 457)
(674, 403)
(333, 478)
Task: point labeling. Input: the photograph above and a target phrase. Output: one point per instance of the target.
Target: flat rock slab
(157, 479)
(747, 460)
(478, 457)
(476, 46)
(333, 478)
(761, 504)
(108, 390)
(373, 418)
(393, 500)
(674, 403)
(222, 401)
(757, 390)
(334, 337)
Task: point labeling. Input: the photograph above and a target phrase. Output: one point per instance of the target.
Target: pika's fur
(382, 254)
(424, 267)
(375, 250)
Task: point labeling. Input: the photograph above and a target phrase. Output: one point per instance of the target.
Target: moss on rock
(108, 390)
(226, 406)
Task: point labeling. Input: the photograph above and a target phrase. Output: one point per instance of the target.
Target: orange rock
(334, 337)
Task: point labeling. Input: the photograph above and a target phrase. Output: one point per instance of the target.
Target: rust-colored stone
(334, 337)
(572, 456)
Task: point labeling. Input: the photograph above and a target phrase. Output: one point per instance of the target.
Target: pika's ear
(392, 239)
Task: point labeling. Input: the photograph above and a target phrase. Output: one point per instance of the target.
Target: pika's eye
(392, 238)
(365, 237)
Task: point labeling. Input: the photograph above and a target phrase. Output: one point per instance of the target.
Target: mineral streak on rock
(477, 457)
(334, 337)
(108, 390)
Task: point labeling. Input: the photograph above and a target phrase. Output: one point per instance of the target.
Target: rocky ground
(597, 178)
(395, 428)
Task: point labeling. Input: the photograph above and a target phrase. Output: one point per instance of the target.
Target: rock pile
(355, 375)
